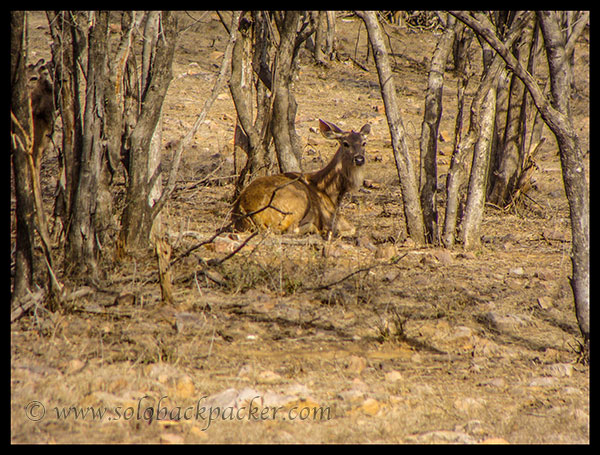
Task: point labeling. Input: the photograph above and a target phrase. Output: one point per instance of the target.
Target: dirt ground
(284, 343)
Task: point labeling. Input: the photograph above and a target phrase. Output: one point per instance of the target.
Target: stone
(494, 441)
(356, 364)
(393, 376)
(543, 381)
(560, 370)
(370, 406)
(171, 438)
(469, 404)
(441, 436)
(545, 302)
(385, 252)
(185, 387)
(269, 377)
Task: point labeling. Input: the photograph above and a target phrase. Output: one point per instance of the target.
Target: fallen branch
(351, 274)
(28, 302)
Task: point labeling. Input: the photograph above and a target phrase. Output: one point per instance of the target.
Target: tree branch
(482, 25)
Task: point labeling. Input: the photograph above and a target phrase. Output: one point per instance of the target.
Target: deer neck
(331, 179)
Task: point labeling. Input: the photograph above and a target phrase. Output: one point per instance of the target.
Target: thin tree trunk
(288, 158)
(510, 157)
(240, 85)
(21, 141)
(430, 131)
(456, 171)
(404, 165)
(140, 213)
(479, 172)
(572, 163)
(66, 52)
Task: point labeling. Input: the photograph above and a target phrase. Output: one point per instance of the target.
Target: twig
(351, 274)
(215, 262)
(360, 65)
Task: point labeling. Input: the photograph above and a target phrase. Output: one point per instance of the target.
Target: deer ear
(365, 130)
(329, 130)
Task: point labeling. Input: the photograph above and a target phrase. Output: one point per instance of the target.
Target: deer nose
(359, 160)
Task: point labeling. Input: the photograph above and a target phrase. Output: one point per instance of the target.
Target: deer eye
(346, 144)
(364, 143)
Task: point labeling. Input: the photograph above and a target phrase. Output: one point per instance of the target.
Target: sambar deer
(303, 203)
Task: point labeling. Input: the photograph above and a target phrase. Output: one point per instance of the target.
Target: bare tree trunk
(404, 165)
(115, 91)
(248, 130)
(457, 169)
(21, 134)
(507, 173)
(288, 157)
(140, 213)
(430, 131)
(572, 161)
(330, 41)
(81, 247)
(67, 48)
(556, 116)
(479, 172)
(319, 20)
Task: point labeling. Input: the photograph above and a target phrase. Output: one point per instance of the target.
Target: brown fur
(40, 87)
(302, 203)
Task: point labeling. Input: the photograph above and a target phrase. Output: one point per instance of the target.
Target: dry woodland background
(369, 339)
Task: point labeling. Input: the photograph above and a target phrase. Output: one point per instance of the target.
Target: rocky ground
(302, 340)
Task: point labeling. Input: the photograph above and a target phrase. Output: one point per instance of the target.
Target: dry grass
(423, 345)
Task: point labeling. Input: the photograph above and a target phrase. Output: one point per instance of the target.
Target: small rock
(517, 271)
(185, 387)
(497, 382)
(504, 322)
(560, 370)
(75, 365)
(370, 406)
(170, 438)
(444, 256)
(542, 382)
(393, 376)
(385, 252)
(441, 436)
(356, 364)
(269, 377)
(474, 428)
(494, 441)
(469, 404)
(189, 322)
(223, 399)
(545, 302)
